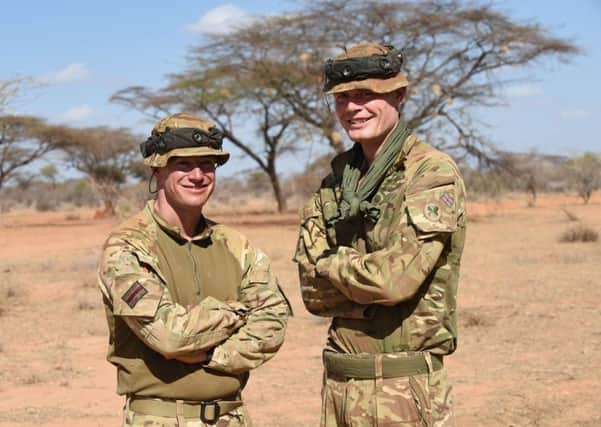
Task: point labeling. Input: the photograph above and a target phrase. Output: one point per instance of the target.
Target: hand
(192, 358)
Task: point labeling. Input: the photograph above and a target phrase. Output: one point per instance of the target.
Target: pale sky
(85, 51)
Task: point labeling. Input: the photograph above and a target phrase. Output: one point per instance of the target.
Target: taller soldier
(379, 252)
(191, 306)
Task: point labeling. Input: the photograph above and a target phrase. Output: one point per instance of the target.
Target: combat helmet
(183, 135)
(368, 66)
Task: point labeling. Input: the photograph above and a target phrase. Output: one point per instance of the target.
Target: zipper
(194, 271)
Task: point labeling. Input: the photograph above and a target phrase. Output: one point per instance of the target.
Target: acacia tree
(584, 174)
(23, 140)
(10, 89)
(231, 97)
(457, 57)
(105, 156)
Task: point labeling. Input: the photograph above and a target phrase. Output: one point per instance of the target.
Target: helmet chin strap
(152, 178)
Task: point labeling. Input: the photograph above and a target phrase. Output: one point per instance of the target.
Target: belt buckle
(216, 411)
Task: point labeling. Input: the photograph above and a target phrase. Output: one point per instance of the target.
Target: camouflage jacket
(241, 317)
(389, 286)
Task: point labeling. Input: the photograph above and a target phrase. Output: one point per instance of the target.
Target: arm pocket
(136, 296)
(433, 210)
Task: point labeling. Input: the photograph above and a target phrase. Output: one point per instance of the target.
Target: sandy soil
(530, 338)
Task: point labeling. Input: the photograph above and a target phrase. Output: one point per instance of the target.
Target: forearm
(258, 340)
(385, 277)
(135, 292)
(319, 296)
(178, 331)
(322, 299)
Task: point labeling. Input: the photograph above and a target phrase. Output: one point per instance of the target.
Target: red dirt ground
(530, 331)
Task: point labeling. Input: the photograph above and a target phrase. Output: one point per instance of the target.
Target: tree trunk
(107, 193)
(107, 212)
(277, 190)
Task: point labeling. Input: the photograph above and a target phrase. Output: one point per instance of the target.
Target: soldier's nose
(196, 173)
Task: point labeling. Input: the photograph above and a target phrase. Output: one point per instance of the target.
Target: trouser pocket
(403, 401)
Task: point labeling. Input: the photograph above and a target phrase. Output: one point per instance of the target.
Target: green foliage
(25, 139)
(49, 172)
(584, 174)
(486, 183)
(139, 170)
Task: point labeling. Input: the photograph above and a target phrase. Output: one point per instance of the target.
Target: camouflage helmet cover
(374, 84)
(184, 121)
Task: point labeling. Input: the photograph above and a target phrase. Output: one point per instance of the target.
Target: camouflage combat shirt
(390, 286)
(167, 297)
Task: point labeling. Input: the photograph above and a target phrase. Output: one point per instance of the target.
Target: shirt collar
(204, 229)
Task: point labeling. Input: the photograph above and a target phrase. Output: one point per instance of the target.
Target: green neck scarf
(356, 199)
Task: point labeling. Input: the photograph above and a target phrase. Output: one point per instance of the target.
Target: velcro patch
(432, 212)
(134, 294)
(447, 199)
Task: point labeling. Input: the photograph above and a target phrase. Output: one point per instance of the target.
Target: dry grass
(88, 301)
(72, 217)
(571, 217)
(470, 318)
(32, 379)
(10, 289)
(522, 296)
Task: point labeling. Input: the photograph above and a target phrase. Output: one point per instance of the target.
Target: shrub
(579, 233)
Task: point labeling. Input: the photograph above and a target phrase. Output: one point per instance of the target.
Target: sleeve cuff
(323, 266)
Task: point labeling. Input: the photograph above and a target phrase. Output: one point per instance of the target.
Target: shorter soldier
(378, 252)
(191, 306)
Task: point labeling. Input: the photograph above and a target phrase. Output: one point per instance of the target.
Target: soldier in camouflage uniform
(191, 306)
(379, 251)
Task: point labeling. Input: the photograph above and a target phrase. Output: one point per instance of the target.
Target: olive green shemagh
(355, 197)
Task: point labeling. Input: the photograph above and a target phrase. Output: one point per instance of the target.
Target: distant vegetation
(268, 76)
(579, 233)
(46, 191)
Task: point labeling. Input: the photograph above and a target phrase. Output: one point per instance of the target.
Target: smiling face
(368, 117)
(186, 183)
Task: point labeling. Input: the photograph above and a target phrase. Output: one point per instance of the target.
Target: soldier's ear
(402, 94)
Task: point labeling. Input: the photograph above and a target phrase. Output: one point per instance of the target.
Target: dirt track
(530, 330)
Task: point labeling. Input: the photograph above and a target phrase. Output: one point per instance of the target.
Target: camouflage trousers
(419, 400)
(236, 418)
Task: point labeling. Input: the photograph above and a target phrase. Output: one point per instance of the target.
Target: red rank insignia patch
(134, 294)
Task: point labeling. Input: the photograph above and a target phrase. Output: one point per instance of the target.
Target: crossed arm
(340, 281)
(241, 334)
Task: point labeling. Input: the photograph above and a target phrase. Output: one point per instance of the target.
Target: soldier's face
(367, 117)
(187, 182)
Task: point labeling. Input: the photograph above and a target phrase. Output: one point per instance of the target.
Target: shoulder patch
(433, 210)
(134, 294)
(447, 199)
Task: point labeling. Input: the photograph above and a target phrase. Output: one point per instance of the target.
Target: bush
(580, 233)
